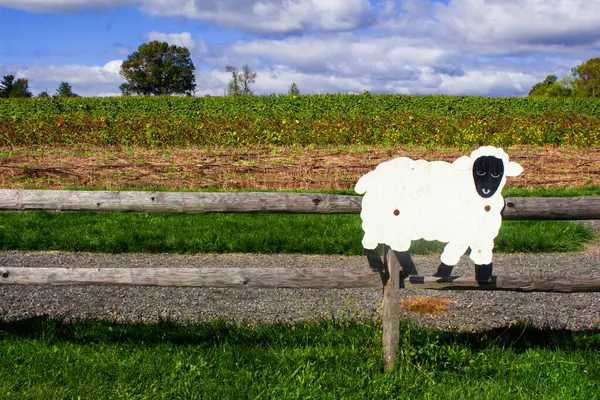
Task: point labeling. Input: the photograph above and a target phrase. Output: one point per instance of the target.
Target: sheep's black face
(487, 175)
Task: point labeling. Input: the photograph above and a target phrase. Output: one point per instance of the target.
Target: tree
(65, 90)
(562, 88)
(44, 95)
(293, 90)
(539, 89)
(9, 88)
(158, 69)
(587, 78)
(239, 84)
(233, 87)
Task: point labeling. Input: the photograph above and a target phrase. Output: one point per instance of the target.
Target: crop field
(301, 120)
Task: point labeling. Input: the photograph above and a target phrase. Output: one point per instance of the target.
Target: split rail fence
(392, 277)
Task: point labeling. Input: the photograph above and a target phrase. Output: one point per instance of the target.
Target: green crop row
(301, 120)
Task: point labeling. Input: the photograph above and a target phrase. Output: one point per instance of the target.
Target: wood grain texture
(561, 284)
(284, 278)
(391, 309)
(563, 208)
(322, 278)
(566, 208)
(177, 202)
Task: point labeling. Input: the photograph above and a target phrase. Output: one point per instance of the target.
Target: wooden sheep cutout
(458, 203)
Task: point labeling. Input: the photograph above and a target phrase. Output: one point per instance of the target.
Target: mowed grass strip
(244, 233)
(45, 359)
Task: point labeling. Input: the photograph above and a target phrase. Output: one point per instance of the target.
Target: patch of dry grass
(425, 305)
(259, 167)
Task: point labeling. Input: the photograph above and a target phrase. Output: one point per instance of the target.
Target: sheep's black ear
(463, 163)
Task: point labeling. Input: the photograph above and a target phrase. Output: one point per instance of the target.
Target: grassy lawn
(43, 359)
(244, 233)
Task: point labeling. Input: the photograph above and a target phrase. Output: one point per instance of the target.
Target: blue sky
(480, 47)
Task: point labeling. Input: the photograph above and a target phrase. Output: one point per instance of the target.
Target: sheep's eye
(480, 173)
(496, 176)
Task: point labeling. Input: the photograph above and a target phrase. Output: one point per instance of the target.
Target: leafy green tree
(43, 95)
(239, 84)
(539, 89)
(564, 87)
(65, 90)
(293, 90)
(587, 78)
(6, 85)
(157, 68)
(9, 88)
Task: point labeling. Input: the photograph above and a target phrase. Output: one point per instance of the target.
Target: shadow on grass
(517, 338)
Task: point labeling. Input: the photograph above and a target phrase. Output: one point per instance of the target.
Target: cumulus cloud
(86, 80)
(256, 16)
(63, 5)
(183, 39)
(545, 22)
(347, 54)
(270, 16)
(499, 26)
(482, 47)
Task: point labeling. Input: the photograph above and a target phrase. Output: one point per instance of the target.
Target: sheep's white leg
(481, 254)
(450, 257)
(452, 253)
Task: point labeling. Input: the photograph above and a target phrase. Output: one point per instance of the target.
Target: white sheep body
(434, 201)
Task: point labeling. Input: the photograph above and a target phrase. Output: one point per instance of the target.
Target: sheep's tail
(364, 183)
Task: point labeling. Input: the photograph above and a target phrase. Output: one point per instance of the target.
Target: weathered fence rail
(392, 277)
(563, 208)
(293, 278)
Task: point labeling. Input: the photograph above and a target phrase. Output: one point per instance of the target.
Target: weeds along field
(301, 120)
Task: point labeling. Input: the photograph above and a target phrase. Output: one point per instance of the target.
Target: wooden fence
(392, 277)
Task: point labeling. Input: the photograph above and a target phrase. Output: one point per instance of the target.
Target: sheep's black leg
(483, 273)
(443, 270)
(406, 262)
(374, 259)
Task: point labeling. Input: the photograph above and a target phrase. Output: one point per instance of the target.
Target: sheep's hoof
(483, 273)
(443, 271)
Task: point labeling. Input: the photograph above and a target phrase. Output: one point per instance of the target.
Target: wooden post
(391, 308)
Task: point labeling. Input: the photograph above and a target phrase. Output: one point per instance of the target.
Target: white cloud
(86, 80)
(483, 47)
(258, 16)
(347, 54)
(545, 22)
(270, 16)
(487, 83)
(63, 5)
(183, 39)
(501, 27)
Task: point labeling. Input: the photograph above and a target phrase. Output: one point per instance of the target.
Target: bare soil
(259, 168)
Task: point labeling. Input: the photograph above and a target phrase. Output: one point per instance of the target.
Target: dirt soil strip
(264, 168)
(466, 310)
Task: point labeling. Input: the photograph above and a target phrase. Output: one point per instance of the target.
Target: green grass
(45, 359)
(244, 233)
